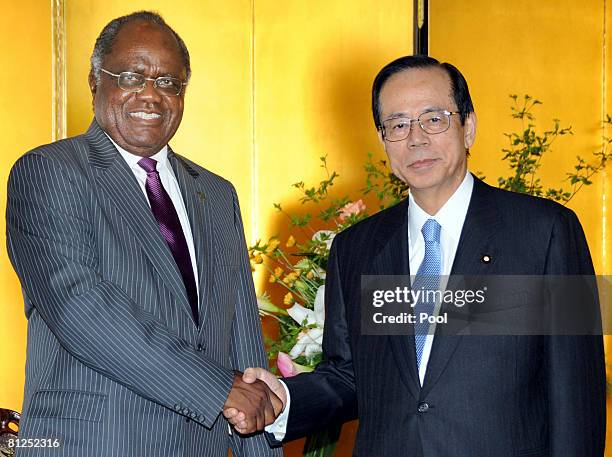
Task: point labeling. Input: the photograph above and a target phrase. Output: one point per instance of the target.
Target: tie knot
(431, 231)
(148, 164)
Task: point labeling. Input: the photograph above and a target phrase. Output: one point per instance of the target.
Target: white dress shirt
(171, 185)
(450, 217)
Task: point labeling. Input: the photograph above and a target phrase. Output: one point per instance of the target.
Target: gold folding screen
(558, 52)
(25, 121)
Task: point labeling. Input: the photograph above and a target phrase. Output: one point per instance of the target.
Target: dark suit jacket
(483, 396)
(115, 363)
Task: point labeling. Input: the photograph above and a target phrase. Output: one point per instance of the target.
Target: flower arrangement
(298, 267)
(299, 270)
(302, 281)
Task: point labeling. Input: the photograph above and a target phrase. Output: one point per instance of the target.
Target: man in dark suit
(136, 279)
(438, 395)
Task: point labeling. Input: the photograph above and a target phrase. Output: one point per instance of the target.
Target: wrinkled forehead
(145, 40)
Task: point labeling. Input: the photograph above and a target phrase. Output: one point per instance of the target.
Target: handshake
(255, 401)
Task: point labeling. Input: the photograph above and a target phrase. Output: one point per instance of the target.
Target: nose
(149, 92)
(416, 136)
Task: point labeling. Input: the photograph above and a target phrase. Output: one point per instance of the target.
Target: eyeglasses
(432, 122)
(135, 82)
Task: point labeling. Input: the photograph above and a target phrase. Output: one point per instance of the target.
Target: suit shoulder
(68, 155)
(61, 149)
(514, 205)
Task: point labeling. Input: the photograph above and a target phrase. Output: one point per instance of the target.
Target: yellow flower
(290, 278)
(288, 300)
(290, 242)
(258, 259)
(310, 275)
(278, 271)
(272, 245)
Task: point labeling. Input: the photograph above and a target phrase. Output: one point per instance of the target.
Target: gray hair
(106, 39)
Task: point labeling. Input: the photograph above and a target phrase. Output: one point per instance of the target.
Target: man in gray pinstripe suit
(138, 291)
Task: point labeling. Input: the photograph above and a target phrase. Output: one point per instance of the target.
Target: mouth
(422, 164)
(144, 115)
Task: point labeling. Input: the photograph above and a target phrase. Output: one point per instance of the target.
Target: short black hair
(108, 35)
(459, 87)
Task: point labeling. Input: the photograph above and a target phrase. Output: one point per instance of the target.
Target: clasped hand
(255, 401)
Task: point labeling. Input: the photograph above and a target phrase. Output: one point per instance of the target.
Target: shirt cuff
(279, 427)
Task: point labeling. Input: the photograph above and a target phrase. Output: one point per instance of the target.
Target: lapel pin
(201, 196)
(486, 258)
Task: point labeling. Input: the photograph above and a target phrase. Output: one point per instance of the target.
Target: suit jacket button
(193, 415)
(201, 418)
(177, 408)
(423, 407)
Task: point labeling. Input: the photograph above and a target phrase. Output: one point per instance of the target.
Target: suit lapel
(392, 259)
(481, 223)
(117, 182)
(194, 196)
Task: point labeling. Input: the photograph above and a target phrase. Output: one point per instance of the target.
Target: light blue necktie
(427, 279)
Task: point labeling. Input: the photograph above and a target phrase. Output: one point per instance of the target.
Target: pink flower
(351, 208)
(288, 367)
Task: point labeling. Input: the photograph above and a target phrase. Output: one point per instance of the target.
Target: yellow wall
(607, 178)
(314, 67)
(25, 117)
(550, 50)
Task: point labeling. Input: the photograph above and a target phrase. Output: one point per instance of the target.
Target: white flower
(309, 341)
(319, 306)
(301, 314)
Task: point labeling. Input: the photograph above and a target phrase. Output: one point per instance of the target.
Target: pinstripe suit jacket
(115, 364)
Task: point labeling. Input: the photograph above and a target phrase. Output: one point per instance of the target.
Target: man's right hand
(258, 405)
(238, 417)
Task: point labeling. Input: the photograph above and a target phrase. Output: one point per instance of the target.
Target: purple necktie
(170, 227)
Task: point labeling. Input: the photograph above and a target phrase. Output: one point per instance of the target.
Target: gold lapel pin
(486, 258)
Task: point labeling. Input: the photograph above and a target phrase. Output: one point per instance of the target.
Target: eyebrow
(140, 69)
(403, 114)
